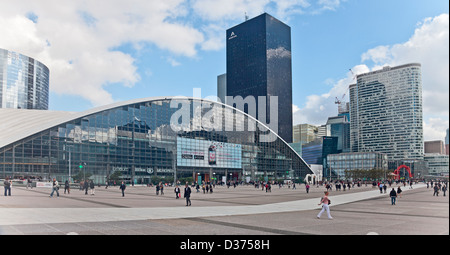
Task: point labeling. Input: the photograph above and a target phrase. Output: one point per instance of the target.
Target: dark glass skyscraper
(259, 64)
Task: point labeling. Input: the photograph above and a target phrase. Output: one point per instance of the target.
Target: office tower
(323, 130)
(386, 112)
(304, 133)
(434, 147)
(222, 87)
(339, 127)
(259, 64)
(24, 82)
(316, 152)
(446, 143)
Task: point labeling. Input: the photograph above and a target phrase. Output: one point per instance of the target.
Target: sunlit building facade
(386, 112)
(24, 82)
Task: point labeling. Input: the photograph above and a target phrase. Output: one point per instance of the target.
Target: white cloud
(223, 14)
(319, 107)
(428, 46)
(79, 40)
(435, 129)
(76, 39)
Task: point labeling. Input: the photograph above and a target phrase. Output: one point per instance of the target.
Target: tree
(116, 176)
(81, 176)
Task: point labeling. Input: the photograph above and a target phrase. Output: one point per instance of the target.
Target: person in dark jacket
(187, 194)
(123, 187)
(436, 190)
(86, 186)
(92, 187)
(7, 185)
(177, 192)
(66, 187)
(393, 196)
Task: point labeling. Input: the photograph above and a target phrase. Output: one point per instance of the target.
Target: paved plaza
(243, 210)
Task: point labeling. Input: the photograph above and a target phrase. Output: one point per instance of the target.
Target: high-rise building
(222, 87)
(340, 127)
(304, 133)
(434, 147)
(386, 112)
(259, 64)
(24, 82)
(446, 143)
(316, 152)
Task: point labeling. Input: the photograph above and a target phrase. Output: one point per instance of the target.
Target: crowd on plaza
(88, 186)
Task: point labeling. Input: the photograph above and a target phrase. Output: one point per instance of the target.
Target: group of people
(438, 186)
(206, 187)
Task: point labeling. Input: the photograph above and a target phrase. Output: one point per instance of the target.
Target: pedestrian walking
(67, 187)
(393, 196)
(92, 187)
(7, 185)
(384, 188)
(123, 187)
(162, 188)
(444, 189)
(325, 202)
(436, 190)
(29, 183)
(157, 189)
(55, 187)
(177, 192)
(307, 188)
(187, 194)
(86, 186)
(399, 191)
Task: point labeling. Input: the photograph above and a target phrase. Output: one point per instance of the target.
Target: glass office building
(339, 163)
(164, 137)
(259, 64)
(386, 112)
(24, 82)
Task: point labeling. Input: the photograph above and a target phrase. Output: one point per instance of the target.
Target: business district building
(24, 82)
(145, 138)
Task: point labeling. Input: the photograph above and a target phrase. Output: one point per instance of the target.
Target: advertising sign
(201, 153)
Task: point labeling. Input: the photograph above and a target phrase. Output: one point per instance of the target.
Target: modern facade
(340, 127)
(438, 164)
(446, 143)
(144, 138)
(304, 133)
(24, 82)
(434, 147)
(340, 163)
(259, 65)
(386, 112)
(323, 130)
(316, 152)
(222, 88)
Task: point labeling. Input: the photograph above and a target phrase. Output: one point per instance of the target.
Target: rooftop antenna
(246, 17)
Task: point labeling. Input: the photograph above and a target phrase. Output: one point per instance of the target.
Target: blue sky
(103, 51)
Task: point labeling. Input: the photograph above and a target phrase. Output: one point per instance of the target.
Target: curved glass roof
(136, 127)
